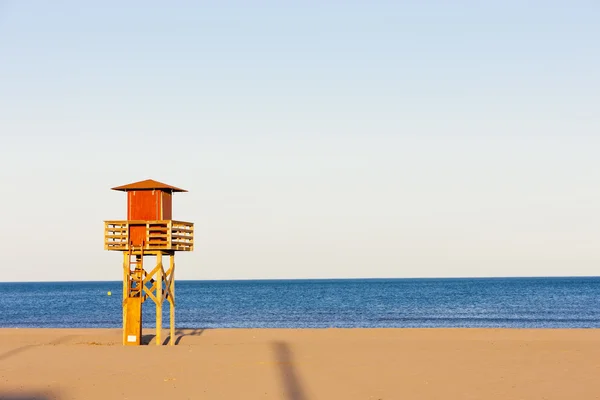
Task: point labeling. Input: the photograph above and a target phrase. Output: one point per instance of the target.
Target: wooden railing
(155, 235)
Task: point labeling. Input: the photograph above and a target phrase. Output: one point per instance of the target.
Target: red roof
(148, 184)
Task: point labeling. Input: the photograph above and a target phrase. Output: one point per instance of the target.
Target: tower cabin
(149, 223)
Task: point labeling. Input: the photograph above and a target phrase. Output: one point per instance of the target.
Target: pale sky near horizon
(317, 139)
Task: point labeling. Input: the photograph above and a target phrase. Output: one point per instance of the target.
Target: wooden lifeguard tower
(148, 231)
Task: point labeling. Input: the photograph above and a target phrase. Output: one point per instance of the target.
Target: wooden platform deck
(166, 235)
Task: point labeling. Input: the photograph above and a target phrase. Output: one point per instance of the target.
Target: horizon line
(330, 279)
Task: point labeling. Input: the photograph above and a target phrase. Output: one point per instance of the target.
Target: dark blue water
(496, 302)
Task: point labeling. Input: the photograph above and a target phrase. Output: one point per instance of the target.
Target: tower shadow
(180, 333)
(287, 373)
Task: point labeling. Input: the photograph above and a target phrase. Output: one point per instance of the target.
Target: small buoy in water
(109, 294)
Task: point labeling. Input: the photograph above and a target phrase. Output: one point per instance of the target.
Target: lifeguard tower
(148, 231)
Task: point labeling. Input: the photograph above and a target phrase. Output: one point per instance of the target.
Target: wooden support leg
(125, 292)
(159, 297)
(133, 324)
(172, 300)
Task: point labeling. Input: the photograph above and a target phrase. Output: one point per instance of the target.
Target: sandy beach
(302, 364)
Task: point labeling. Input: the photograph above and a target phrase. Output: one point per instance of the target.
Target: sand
(303, 364)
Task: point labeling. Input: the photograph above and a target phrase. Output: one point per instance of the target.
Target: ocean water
(494, 302)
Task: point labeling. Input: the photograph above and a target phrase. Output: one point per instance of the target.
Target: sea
(345, 303)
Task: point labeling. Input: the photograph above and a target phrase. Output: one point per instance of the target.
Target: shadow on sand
(21, 349)
(180, 333)
(288, 375)
(27, 396)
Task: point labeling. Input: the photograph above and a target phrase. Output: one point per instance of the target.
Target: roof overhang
(148, 184)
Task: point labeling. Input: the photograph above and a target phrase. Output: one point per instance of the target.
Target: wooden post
(125, 291)
(172, 299)
(159, 296)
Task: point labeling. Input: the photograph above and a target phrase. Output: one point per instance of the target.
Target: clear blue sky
(317, 139)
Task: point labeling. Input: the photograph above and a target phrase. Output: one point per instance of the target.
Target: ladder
(137, 274)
